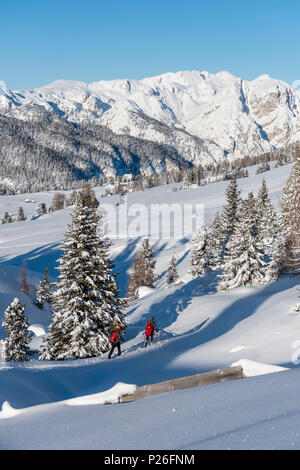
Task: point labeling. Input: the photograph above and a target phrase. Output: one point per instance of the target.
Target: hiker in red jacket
(150, 328)
(115, 339)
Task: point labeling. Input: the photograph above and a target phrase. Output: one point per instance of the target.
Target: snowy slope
(232, 115)
(254, 413)
(200, 329)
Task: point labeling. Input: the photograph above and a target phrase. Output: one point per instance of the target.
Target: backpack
(113, 338)
(149, 329)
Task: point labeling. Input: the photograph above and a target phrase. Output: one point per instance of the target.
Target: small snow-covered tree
(15, 346)
(216, 240)
(6, 219)
(230, 213)
(267, 220)
(243, 263)
(44, 291)
(271, 271)
(86, 303)
(279, 247)
(136, 278)
(58, 202)
(172, 273)
(265, 166)
(20, 214)
(149, 263)
(71, 199)
(41, 209)
(142, 269)
(89, 195)
(200, 253)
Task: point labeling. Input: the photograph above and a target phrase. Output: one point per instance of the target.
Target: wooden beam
(218, 375)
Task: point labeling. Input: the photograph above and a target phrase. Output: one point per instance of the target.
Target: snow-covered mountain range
(232, 117)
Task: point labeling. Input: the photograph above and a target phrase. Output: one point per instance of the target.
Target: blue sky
(90, 40)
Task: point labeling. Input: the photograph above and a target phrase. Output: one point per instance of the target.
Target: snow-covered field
(59, 405)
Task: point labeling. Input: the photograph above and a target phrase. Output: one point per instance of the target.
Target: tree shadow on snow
(235, 313)
(167, 310)
(37, 260)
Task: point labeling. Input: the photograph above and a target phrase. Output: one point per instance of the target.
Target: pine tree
(172, 273)
(89, 195)
(20, 214)
(280, 245)
(142, 270)
(6, 219)
(290, 232)
(271, 271)
(41, 209)
(44, 291)
(243, 263)
(216, 240)
(231, 209)
(266, 217)
(71, 200)
(15, 346)
(58, 202)
(136, 278)
(188, 178)
(149, 263)
(87, 302)
(200, 253)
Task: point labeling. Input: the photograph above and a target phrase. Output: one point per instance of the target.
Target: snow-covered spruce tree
(58, 202)
(230, 214)
(243, 263)
(200, 253)
(263, 167)
(44, 291)
(41, 209)
(267, 219)
(15, 347)
(136, 278)
(142, 269)
(188, 178)
(6, 219)
(172, 273)
(272, 270)
(20, 214)
(290, 229)
(71, 199)
(216, 239)
(148, 263)
(86, 303)
(280, 246)
(89, 195)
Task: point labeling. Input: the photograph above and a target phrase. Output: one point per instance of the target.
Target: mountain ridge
(201, 118)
